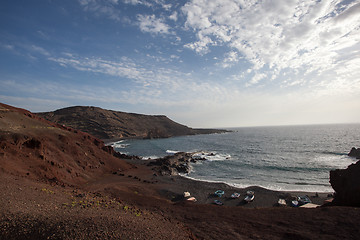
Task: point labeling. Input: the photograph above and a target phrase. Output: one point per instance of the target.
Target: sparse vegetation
(98, 202)
(47, 191)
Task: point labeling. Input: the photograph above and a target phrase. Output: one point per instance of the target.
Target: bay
(291, 158)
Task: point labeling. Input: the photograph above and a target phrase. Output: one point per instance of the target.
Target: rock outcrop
(178, 163)
(346, 183)
(172, 164)
(354, 152)
(107, 124)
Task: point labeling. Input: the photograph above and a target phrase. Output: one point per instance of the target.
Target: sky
(202, 63)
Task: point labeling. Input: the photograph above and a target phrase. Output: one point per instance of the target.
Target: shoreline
(180, 165)
(203, 192)
(235, 185)
(172, 188)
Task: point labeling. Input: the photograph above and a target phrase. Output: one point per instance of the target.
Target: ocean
(286, 158)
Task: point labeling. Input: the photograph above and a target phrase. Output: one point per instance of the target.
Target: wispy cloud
(39, 50)
(9, 47)
(28, 51)
(150, 3)
(145, 76)
(102, 8)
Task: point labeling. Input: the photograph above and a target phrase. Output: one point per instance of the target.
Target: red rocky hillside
(38, 149)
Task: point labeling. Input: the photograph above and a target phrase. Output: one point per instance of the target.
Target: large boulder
(346, 183)
(355, 152)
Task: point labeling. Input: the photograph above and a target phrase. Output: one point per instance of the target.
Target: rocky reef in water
(178, 163)
(346, 183)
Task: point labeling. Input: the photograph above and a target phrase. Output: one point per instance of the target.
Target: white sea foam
(149, 157)
(119, 144)
(219, 157)
(211, 156)
(269, 186)
(171, 151)
(200, 180)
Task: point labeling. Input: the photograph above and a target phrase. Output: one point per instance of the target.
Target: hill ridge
(110, 124)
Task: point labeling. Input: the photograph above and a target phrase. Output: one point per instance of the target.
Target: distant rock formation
(354, 152)
(107, 124)
(346, 183)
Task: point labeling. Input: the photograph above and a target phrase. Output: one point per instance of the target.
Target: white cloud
(256, 78)
(201, 46)
(174, 16)
(151, 24)
(174, 56)
(308, 36)
(230, 58)
(138, 2)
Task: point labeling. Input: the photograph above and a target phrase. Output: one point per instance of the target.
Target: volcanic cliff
(108, 124)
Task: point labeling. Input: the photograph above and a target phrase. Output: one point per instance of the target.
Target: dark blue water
(295, 158)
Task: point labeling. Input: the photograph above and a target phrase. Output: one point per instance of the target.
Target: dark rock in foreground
(355, 152)
(107, 124)
(346, 183)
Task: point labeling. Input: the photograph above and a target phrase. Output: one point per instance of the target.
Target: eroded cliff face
(346, 183)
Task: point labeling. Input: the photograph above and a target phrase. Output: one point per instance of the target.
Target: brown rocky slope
(39, 149)
(107, 124)
(44, 168)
